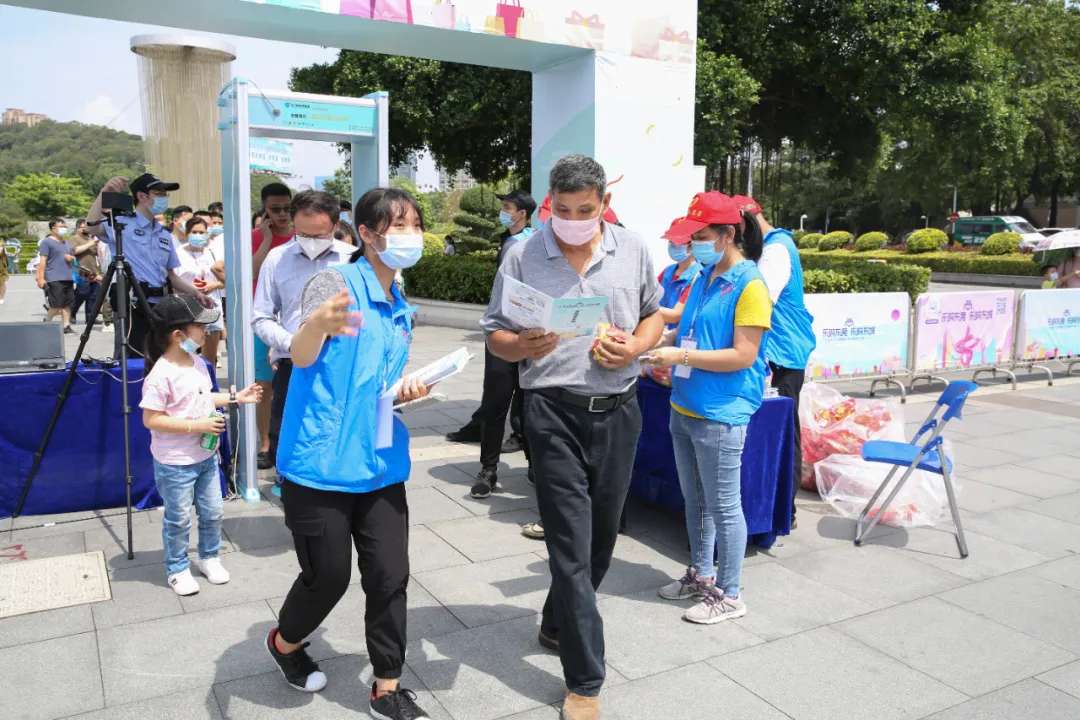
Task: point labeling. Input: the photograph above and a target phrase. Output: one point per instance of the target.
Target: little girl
(178, 410)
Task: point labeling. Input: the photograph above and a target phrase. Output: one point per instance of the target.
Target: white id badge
(683, 371)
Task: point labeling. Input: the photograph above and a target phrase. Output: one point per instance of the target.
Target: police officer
(148, 248)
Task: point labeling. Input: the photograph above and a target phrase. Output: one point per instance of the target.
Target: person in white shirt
(196, 266)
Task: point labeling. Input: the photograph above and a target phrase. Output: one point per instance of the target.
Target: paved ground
(897, 629)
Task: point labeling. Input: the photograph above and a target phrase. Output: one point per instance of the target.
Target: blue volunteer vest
(673, 287)
(709, 319)
(791, 339)
(327, 439)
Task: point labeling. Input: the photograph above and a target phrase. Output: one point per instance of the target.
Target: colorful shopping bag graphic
(399, 11)
(585, 31)
(511, 13)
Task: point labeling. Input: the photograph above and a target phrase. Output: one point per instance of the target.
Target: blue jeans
(179, 486)
(708, 456)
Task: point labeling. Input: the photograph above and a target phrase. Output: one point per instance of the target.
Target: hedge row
(947, 262)
(456, 278)
(857, 276)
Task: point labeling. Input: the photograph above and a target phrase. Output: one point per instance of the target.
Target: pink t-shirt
(180, 392)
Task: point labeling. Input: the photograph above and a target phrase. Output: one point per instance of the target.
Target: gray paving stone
(695, 690)
(782, 602)
(988, 556)
(342, 633)
(491, 591)
(1028, 700)
(490, 672)
(138, 594)
(252, 577)
(636, 565)
(437, 473)
(545, 712)
(162, 657)
(978, 497)
(197, 704)
(965, 651)
(1065, 678)
(972, 456)
(1024, 480)
(879, 576)
(646, 635)
(1048, 611)
(39, 626)
(1038, 533)
(1062, 464)
(32, 527)
(1064, 572)
(428, 506)
(345, 696)
(147, 543)
(50, 679)
(428, 551)
(37, 548)
(1065, 507)
(487, 538)
(793, 674)
(512, 493)
(258, 531)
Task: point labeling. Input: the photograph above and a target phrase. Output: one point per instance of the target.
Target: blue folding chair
(929, 456)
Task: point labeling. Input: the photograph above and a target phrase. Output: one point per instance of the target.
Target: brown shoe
(579, 707)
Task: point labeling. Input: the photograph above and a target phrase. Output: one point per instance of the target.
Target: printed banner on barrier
(964, 329)
(1049, 324)
(859, 334)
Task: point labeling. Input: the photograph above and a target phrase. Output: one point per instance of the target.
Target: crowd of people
(725, 320)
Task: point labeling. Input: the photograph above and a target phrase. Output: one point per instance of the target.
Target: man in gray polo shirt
(581, 411)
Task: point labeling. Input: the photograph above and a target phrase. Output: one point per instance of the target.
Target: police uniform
(150, 253)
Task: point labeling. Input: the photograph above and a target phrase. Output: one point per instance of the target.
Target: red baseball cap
(674, 235)
(707, 208)
(747, 203)
(545, 212)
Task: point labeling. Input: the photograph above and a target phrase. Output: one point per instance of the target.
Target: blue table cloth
(768, 473)
(83, 467)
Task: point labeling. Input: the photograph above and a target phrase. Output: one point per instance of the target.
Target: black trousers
(139, 328)
(85, 296)
(582, 463)
(280, 385)
(789, 383)
(324, 525)
(502, 396)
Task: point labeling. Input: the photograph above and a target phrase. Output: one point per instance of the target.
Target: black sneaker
(298, 669)
(398, 705)
(485, 484)
(264, 461)
(468, 434)
(513, 444)
(68, 330)
(548, 640)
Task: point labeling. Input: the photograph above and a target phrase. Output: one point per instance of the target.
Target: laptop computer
(31, 346)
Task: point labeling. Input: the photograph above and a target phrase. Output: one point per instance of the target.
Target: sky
(77, 68)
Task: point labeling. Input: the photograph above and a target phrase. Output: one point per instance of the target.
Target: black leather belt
(591, 403)
(151, 291)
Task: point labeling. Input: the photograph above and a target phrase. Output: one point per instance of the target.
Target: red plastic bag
(834, 424)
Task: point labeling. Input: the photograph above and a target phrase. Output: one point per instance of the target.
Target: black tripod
(119, 271)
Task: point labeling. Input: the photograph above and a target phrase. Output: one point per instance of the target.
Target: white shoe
(214, 571)
(108, 328)
(183, 583)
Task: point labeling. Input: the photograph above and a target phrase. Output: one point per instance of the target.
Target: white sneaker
(688, 587)
(214, 571)
(108, 328)
(715, 607)
(183, 583)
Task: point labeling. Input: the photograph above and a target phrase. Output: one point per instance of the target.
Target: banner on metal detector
(859, 334)
(964, 330)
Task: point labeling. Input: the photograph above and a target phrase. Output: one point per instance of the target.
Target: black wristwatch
(232, 396)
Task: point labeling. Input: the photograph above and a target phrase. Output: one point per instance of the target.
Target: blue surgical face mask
(706, 253)
(505, 219)
(678, 253)
(198, 240)
(189, 346)
(215, 231)
(159, 204)
(402, 250)
(345, 216)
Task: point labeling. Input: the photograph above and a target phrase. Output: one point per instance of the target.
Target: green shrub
(455, 278)
(475, 225)
(433, 244)
(798, 235)
(481, 201)
(828, 281)
(871, 241)
(946, 262)
(471, 244)
(871, 277)
(809, 241)
(926, 240)
(1001, 243)
(835, 240)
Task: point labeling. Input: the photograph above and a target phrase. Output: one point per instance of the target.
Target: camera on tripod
(118, 203)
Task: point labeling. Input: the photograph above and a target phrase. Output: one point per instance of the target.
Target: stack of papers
(567, 317)
(443, 368)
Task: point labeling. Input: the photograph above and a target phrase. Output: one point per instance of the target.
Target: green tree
(92, 153)
(258, 182)
(44, 195)
(12, 219)
(340, 184)
(725, 94)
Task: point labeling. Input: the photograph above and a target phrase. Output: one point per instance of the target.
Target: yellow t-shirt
(753, 309)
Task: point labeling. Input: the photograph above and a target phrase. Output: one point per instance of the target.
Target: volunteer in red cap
(718, 383)
(676, 280)
(788, 346)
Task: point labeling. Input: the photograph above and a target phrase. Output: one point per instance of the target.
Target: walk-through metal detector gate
(247, 112)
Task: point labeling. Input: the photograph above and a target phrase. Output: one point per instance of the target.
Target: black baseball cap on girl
(184, 310)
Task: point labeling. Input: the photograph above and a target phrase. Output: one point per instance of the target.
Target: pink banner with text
(964, 329)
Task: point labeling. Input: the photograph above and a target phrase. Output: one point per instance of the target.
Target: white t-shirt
(217, 249)
(196, 265)
(775, 268)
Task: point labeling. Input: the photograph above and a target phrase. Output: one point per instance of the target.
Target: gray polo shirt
(57, 267)
(621, 270)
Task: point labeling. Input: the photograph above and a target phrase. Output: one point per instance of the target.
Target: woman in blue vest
(717, 385)
(342, 454)
(789, 344)
(676, 279)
